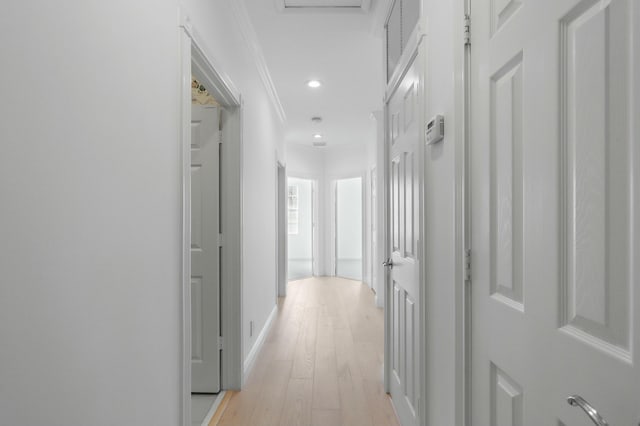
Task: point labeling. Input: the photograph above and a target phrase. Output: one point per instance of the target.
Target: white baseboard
(379, 302)
(257, 346)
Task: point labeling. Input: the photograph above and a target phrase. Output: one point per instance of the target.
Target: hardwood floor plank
(325, 379)
(346, 357)
(326, 418)
(305, 354)
(297, 405)
(321, 364)
(269, 407)
(215, 420)
(382, 411)
(355, 410)
(240, 408)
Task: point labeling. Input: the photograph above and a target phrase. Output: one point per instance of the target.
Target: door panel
(404, 141)
(205, 251)
(554, 225)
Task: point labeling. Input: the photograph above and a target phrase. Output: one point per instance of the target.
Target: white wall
(90, 243)
(90, 231)
(305, 161)
(346, 161)
(442, 277)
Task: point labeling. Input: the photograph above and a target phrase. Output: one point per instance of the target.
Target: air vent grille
(319, 144)
(327, 5)
(355, 4)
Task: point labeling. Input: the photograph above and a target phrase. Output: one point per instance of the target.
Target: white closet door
(205, 250)
(555, 212)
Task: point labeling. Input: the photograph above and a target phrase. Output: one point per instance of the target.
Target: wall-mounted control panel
(435, 130)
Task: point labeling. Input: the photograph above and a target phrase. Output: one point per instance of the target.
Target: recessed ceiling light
(314, 84)
(317, 136)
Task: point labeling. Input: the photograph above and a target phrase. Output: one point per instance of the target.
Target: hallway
(321, 363)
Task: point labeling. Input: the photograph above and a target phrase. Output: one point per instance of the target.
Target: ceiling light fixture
(317, 136)
(314, 84)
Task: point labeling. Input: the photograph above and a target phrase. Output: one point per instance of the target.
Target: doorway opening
(301, 228)
(211, 228)
(348, 228)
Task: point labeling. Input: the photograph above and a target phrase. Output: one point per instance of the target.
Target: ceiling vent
(330, 5)
(319, 144)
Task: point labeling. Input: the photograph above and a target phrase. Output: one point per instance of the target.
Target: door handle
(388, 263)
(577, 400)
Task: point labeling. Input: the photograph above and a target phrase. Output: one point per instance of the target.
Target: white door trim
(462, 107)
(281, 230)
(194, 61)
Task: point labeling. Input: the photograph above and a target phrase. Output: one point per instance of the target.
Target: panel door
(554, 167)
(404, 197)
(205, 250)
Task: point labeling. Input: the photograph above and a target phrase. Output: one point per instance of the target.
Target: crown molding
(251, 38)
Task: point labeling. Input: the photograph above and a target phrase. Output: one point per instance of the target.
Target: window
(293, 209)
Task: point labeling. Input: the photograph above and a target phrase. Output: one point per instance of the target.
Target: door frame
(372, 232)
(462, 111)
(195, 61)
(281, 230)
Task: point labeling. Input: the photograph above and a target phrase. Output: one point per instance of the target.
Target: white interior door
(349, 226)
(554, 168)
(404, 198)
(205, 249)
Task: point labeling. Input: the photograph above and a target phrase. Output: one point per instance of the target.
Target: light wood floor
(321, 364)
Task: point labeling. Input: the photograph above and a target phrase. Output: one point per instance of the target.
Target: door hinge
(219, 137)
(467, 29)
(467, 265)
(220, 240)
(220, 343)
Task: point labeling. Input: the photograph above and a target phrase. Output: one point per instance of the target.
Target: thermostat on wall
(435, 130)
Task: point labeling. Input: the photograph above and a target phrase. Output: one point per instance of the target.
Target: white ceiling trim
(250, 37)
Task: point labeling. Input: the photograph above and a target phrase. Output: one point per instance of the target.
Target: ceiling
(336, 42)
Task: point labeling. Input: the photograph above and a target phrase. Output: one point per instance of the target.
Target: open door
(300, 228)
(349, 222)
(555, 212)
(205, 249)
(403, 282)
